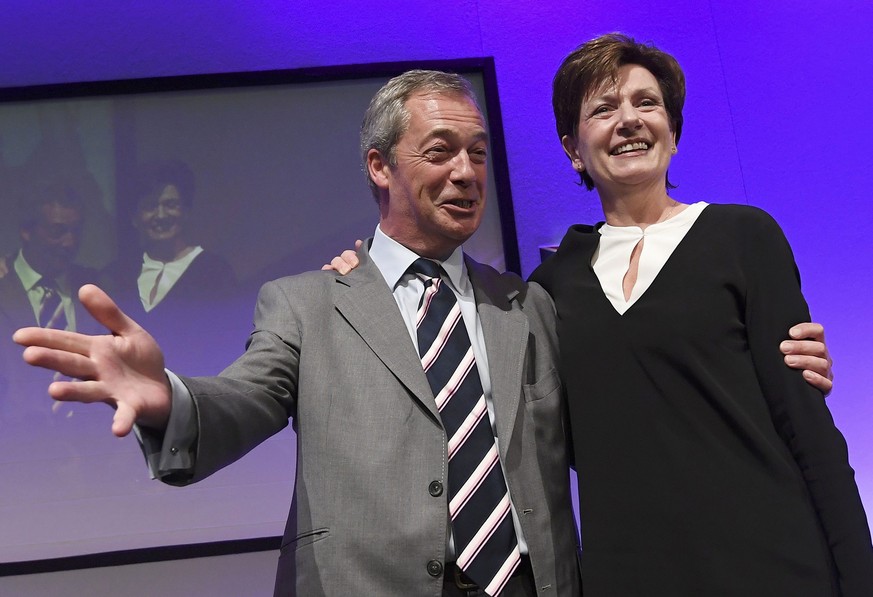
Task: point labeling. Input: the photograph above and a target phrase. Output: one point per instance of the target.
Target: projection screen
(276, 188)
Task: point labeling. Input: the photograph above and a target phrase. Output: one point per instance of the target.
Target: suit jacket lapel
(368, 305)
(14, 301)
(505, 329)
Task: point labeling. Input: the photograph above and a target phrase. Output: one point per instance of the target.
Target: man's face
(160, 219)
(436, 190)
(51, 244)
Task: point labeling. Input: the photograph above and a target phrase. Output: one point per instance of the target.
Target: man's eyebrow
(445, 131)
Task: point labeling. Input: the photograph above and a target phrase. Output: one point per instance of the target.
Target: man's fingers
(65, 362)
(807, 331)
(123, 420)
(78, 391)
(105, 311)
(57, 339)
(804, 347)
(822, 383)
(815, 364)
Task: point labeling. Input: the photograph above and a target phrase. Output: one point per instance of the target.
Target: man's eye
(479, 155)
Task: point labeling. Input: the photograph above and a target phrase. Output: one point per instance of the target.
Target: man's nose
(67, 240)
(462, 169)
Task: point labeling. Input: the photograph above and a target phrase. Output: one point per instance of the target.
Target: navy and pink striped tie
(485, 541)
(51, 308)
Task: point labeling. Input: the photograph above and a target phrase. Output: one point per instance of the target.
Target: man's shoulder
(303, 282)
(320, 283)
(484, 275)
(508, 284)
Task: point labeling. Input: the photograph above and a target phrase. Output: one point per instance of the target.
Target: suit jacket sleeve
(254, 397)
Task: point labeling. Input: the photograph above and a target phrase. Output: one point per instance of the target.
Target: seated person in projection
(174, 286)
(38, 285)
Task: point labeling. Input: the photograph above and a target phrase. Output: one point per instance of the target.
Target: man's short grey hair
(387, 118)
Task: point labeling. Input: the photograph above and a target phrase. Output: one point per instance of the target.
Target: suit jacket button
(434, 568)
(435, 488)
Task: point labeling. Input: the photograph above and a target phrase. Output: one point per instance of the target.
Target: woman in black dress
(706, 467)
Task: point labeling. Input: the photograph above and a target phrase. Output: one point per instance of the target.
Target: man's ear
(25, 235)
(379, 169)
(569, 145)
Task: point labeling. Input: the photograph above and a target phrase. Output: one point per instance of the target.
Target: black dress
(202, 322)
(706, 466)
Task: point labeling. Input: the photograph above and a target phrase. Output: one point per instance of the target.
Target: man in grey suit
(335, 354)
(338, 355)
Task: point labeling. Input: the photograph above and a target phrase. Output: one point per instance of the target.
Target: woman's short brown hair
(596, 61)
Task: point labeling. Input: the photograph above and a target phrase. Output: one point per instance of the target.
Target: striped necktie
(51, 307)
(485, 541)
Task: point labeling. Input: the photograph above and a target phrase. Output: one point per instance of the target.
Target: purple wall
(777, 115)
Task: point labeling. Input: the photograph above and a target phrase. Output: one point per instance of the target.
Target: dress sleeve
(773, 304)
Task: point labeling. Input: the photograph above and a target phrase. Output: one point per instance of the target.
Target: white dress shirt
(393, 260)
(169, 272)
(612, 257)
(31, 279)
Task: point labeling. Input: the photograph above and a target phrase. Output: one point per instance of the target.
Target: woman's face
(161, 219)
(624, 136)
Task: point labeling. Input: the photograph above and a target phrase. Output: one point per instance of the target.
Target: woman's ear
(569, 145)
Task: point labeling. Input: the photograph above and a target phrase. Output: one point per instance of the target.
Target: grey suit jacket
(369, 516)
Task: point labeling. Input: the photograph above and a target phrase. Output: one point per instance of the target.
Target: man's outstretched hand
(124, 369)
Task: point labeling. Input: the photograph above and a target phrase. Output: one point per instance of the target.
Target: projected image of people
(38, 284)
(173, 285)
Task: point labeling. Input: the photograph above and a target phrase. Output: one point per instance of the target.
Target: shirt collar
(393, 259)
(30, 277)
(155, 264)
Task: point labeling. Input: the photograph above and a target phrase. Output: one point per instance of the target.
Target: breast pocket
(547, 386)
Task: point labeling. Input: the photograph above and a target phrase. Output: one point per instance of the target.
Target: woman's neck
(639, 207)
